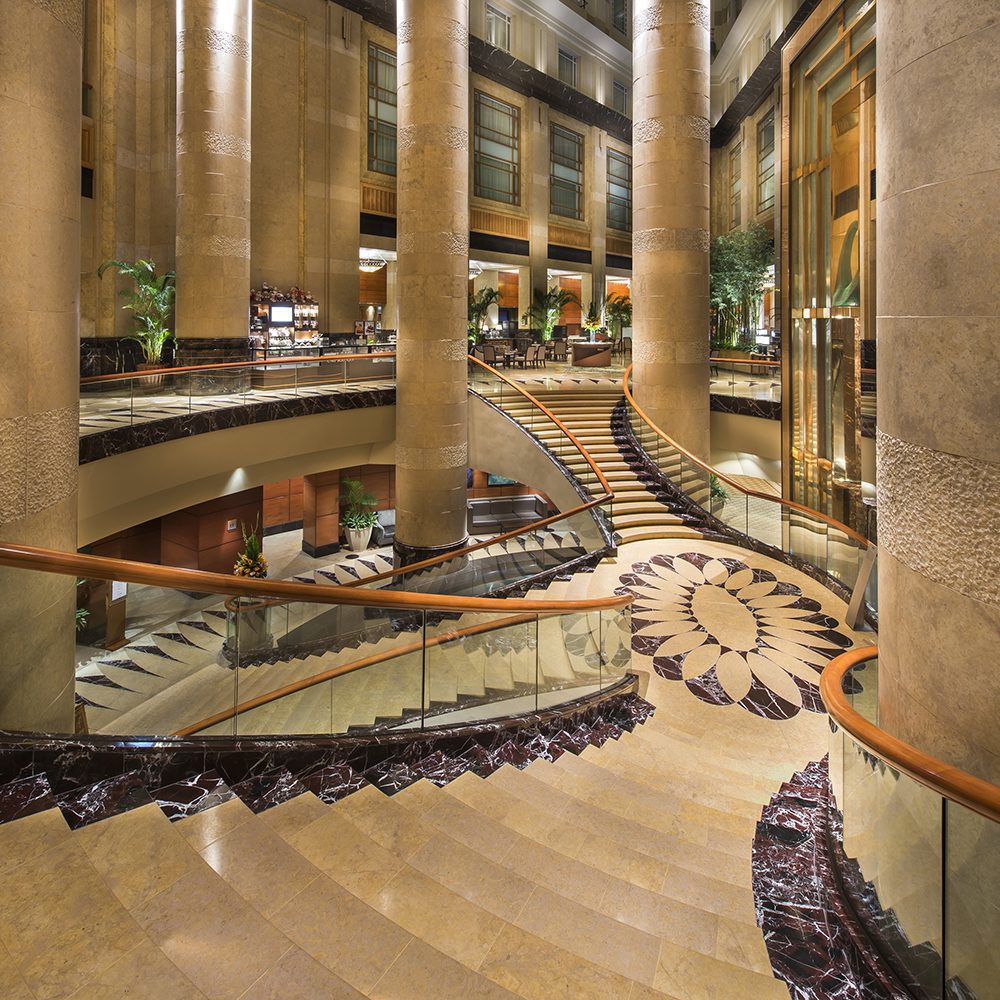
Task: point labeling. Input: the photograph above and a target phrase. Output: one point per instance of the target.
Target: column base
(406, 555)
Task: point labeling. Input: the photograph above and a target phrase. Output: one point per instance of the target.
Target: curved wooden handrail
(230, 365)
(347, 668)
(541, 406)
(790, 504)
(104, 568)
(949, 782)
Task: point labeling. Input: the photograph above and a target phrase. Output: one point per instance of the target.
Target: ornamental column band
(938, 153)
(432, 275)
(41, 60)
(670, 151)
(213, 173)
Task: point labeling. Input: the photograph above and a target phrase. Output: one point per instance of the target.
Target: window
(567, 68)
(565, 172)
(381, 110)
(497, 28)
(619, 97)
(497, 130)
(765, 162)
(619, 15)
(619, 191)
(735, 184)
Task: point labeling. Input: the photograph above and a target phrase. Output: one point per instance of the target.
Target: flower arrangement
(251, 561)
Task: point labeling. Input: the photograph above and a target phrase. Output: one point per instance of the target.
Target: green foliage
(716, 490)
(151, 301)
(740, 262)
(251, 561)
(594, 319)
(479, 310)
(358, 505)
(82, 614)
(618, 310)
(546, 309)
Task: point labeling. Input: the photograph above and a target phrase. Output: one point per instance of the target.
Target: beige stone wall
(939, 372)
(432, 270)
(671, 217)
(40, 51)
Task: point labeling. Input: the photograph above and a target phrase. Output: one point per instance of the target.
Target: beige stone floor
(621, 873)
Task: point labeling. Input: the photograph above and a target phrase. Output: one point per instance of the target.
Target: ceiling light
(474, 269)
(371, 264)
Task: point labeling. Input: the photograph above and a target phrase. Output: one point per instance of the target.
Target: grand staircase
(639, 512)
(616, 871)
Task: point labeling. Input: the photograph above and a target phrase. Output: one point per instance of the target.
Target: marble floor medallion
(732, 634)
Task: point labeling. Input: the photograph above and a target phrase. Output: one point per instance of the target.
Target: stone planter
(357, 540)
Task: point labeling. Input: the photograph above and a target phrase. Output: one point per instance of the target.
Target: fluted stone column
(213, 169)
(939, 378)
(432, 275)
(670, 138)
(40, 75)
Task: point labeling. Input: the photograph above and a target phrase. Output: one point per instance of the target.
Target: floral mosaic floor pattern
(734, 635)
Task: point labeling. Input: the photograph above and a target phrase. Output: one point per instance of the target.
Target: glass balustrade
(831, 547)
(159, 661)
(107, 403)
(922, 871)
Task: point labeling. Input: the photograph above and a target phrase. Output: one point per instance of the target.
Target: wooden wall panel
(509, 290)
(373, 288)
(200, 537)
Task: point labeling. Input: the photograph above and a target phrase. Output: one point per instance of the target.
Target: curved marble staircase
(587, 409)
(613, 871)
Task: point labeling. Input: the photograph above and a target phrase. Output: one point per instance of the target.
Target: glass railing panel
(893, 830)
(304, 659)
(972, 899)
(569, 657)
(171, 662)
(106, 405)
(616, 645)
(481, 669)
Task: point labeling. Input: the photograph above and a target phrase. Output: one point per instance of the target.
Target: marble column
(671, 216)
(213, 176)
(40, 114)
(938, 153)
(432, 275)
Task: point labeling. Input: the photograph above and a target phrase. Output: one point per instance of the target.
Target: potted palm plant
(546, 309)
(151, 301)
(618, 310)
(479, 311)
(360, 516)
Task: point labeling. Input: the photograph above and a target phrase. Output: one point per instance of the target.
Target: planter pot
(150, 383)
(357, 540)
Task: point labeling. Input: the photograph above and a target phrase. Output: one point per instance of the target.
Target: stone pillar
(671, 216)
(598, 213)
(939, 379)
(41, 56)
(536, 143)
(213, 178)
(433, 276)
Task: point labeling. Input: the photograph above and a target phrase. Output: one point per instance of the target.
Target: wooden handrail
(946, 780)
(790, 504)
(104, 568)
(229, 365)
(348, 668)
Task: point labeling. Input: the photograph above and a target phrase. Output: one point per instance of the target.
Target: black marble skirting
(407, 555)
(766, 409)
(93, 777)
(113, 355)
(119, 440)
(826, 933)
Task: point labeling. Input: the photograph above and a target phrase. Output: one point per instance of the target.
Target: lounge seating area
(499, 515)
